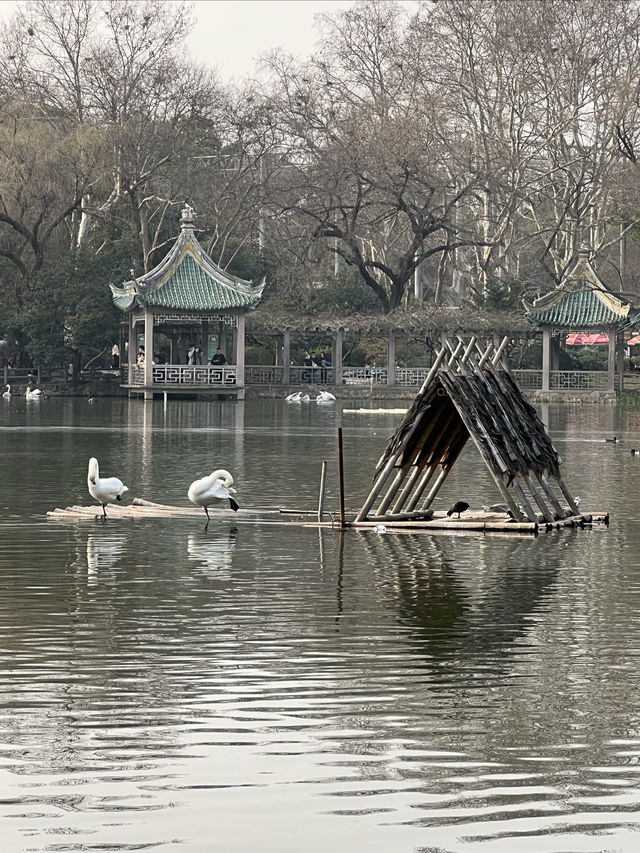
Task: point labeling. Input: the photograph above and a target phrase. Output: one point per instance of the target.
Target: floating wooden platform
(439, 521)
(375, 411)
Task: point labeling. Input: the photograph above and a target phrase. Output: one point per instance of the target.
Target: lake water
(272, 689)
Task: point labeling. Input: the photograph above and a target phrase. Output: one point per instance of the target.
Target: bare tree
(369, 164)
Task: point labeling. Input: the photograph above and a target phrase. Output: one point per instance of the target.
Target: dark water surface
(273, 689)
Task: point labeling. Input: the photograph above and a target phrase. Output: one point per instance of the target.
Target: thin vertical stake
(323, 475)
(341, 476)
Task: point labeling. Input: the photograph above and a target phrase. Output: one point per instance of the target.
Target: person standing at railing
(218, 358)
(315, 366)
(325, 363)
(191, 355)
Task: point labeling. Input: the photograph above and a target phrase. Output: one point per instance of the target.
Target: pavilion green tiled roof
(580, 302)
(187, 279)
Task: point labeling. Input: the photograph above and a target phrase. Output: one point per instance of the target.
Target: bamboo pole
(404, 516)
(459, 434)
(544, 509)
(323, 475)
(428, 379)
(442, 476)
(441, 524)
(567, 495)
(531, 514)
(498, 356)
(484, 355)
(435, 434)
(516, 512)
(341, 477)
(560, 510)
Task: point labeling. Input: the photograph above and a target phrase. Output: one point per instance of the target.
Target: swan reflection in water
(103, 554)
(213, 555)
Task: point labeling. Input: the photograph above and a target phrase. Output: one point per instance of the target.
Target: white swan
(34, 394)
(103, 489)
(215, 487)
(293, 398)
(325, 397)
(7, 394)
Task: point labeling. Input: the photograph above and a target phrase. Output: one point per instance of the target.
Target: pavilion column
(546, 358)
(620, 359)
(555, 353)
(205, 342)
(391, 359)
(148, 353)
(240, 351)
(336, 357)
(611, 366)
(131, 349)
(286, 356)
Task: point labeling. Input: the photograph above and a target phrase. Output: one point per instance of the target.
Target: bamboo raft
(438, 521)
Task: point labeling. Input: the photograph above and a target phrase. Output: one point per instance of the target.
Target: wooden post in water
(341, 477)
(323, 476)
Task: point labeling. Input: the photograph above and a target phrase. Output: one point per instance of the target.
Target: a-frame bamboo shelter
(470, 393)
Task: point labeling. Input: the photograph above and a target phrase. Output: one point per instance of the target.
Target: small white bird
(325, 397)
(34, 393)
(103, 489)
(215, 487)
(7, 394)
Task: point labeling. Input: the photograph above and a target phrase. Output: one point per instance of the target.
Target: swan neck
(223, 475)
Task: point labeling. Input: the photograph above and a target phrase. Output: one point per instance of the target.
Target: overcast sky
(231, 34)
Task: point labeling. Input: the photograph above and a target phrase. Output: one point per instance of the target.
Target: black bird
(459, 506)
(613, 440)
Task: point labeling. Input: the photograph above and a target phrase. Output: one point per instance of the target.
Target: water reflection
(104, 551)
(458, 616)
(213, 552)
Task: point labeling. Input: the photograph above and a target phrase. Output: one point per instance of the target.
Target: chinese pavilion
(581, 303)
(178, 314)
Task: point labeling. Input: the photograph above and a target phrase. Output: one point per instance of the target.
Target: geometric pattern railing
(263, 374)
(260, 374)
(528, 380)
(183, 374)
(369, 375)
(578, 380)
(406, 377)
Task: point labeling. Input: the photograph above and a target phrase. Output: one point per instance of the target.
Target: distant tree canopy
(464, 152)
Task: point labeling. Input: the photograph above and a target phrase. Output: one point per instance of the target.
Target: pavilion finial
(187, 217)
